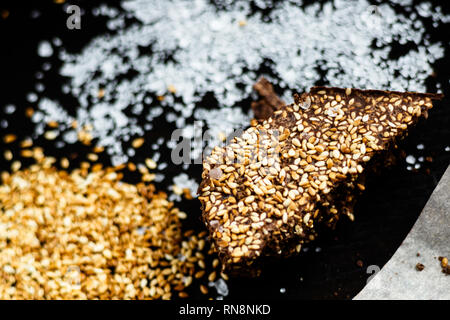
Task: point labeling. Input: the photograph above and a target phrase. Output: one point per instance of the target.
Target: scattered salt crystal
(215, 173)
(183, 181)
(214, 223)
(70, 136)
(32, 97)
(223, 58)
(59, 144)
(159, 177)
(57, 42)
(141, 230)
(10, 108)
(410, 159)
(35, 14)
(221, 287)
(46, 66)
(131, 152)
(162, 166)
(39, 87)
(306, 104)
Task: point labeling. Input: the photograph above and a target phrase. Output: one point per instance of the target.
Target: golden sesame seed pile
(264, 193)
(88, 235)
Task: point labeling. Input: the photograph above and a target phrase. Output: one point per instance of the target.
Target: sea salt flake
(410, 159)
(45, 49)
(223, 59)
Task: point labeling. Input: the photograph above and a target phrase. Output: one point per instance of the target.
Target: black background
(329, 269)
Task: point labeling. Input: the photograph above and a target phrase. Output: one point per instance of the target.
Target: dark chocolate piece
(264, 193)
(269, 102)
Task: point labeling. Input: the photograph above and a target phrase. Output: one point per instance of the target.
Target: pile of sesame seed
(88, 235)
(264, 193)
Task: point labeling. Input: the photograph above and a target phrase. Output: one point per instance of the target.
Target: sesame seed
(137, 143)
(138, 243)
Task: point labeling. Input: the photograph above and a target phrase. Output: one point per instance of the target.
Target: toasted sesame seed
(139, 242)
(203, 289)
(137, 143)
(8, 155)
(9, 138)
(150, 163)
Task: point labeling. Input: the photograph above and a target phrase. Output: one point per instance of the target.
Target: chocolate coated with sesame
(282, 176)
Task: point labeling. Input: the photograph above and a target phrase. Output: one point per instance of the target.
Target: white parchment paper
(430, 237)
